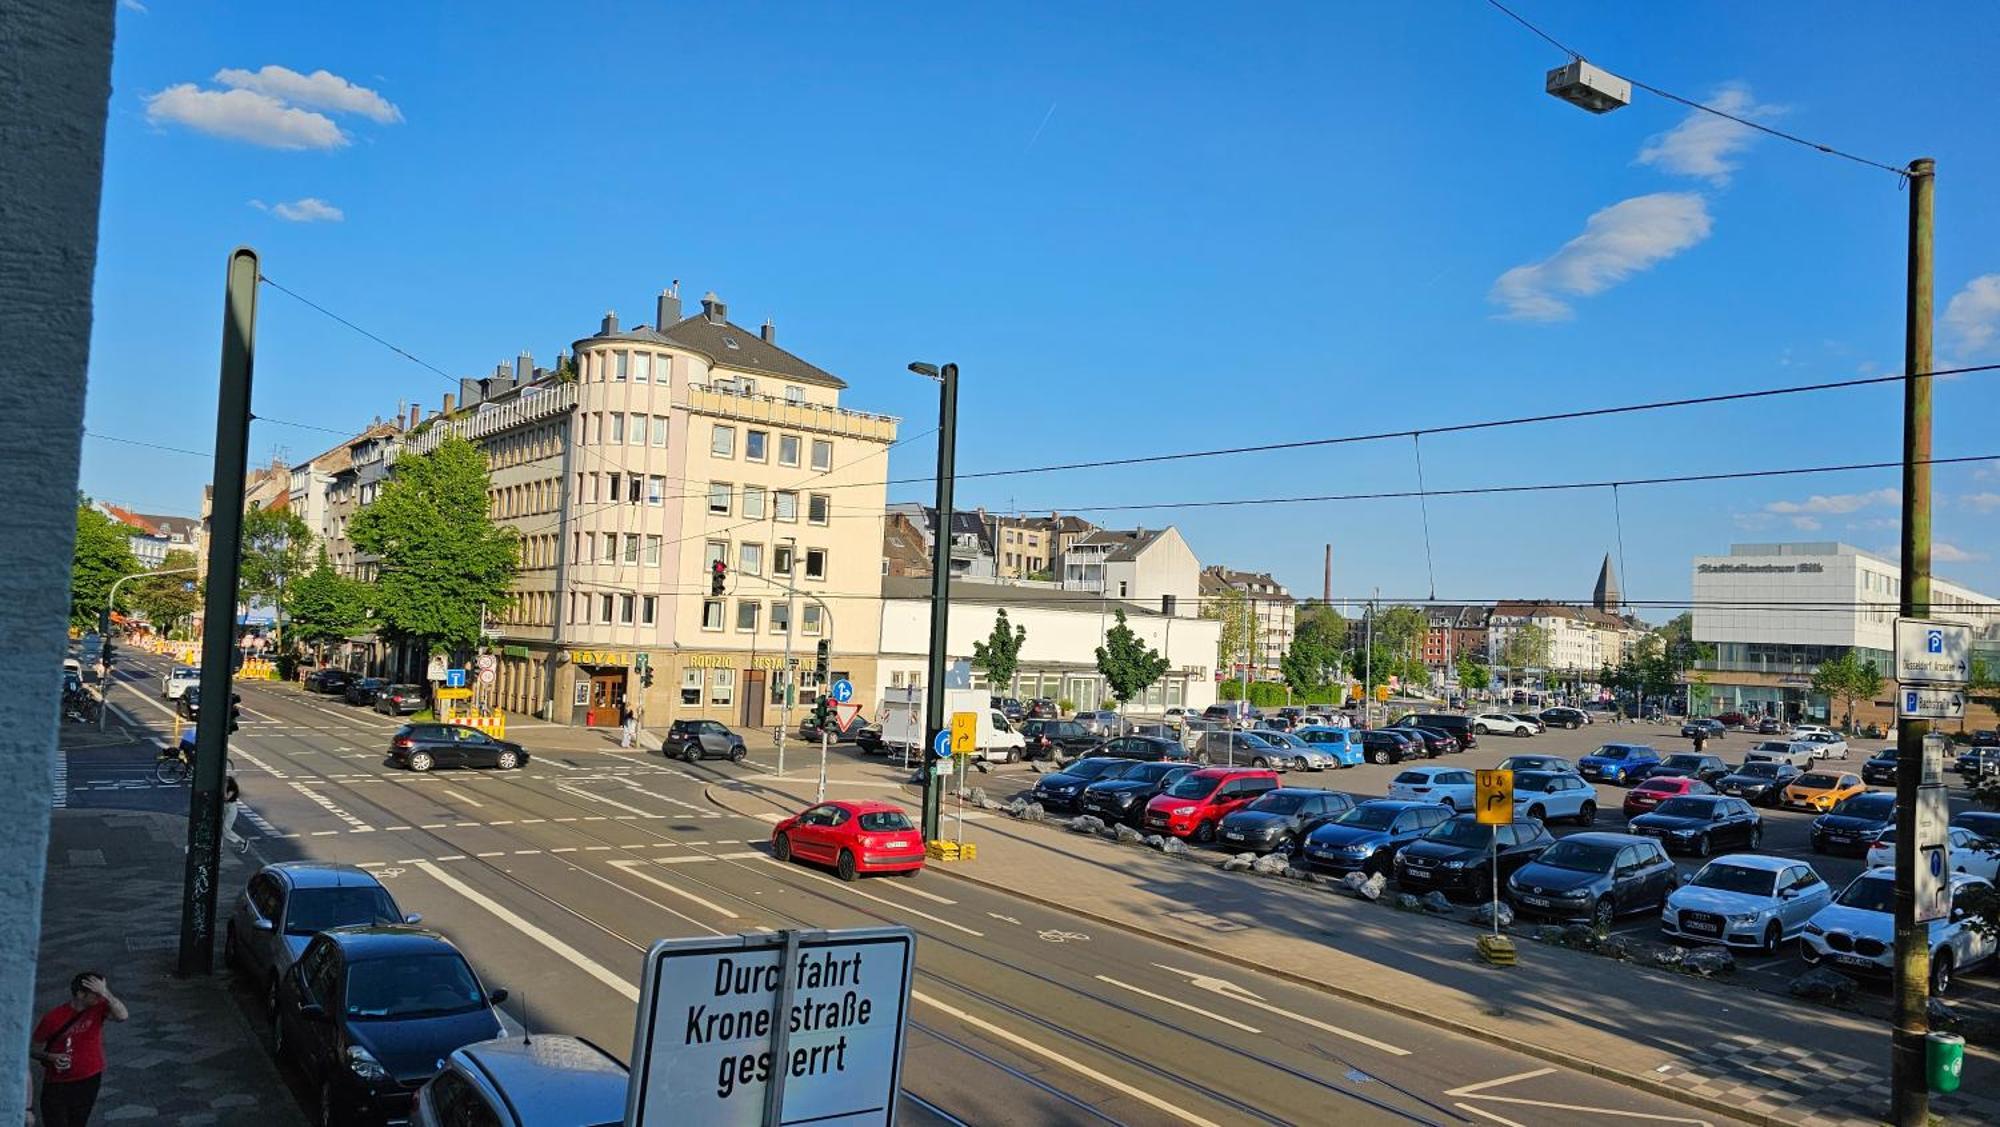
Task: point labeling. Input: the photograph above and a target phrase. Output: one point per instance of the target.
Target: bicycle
(176, 765)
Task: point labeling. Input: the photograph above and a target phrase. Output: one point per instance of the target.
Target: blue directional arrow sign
(843, 691)
(941, 746)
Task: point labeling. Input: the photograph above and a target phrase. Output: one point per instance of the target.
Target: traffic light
(718, 573)
(646, 677)
(824, 660)
(109, 655)
(235, 709)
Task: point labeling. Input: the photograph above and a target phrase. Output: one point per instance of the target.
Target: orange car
(1820, 790)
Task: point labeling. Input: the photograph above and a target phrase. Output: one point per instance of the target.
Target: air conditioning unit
(1593, 88)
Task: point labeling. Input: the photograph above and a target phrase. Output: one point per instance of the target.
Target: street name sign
(1932, 653)
(784, 1027)
(1930, 704)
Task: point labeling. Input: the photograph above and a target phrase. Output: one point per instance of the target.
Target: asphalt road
(555, 878)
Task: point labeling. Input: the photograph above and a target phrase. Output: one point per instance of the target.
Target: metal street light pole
(104, 636)
(947, 377)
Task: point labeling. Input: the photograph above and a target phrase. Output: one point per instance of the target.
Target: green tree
(1400, 630)
(1846, 679)
(327, 606)
(1232, 609)
(1314, 657)
(102, 557)
(1129, 665)
(1472, 675)
(167, 599)
(1000, 654)
(442, 558)
(276, 546)
(1528, 647)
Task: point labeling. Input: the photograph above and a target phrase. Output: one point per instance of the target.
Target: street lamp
(947, 377)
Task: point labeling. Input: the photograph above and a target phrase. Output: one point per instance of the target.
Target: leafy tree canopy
(102, 557)
(442, 557)
(1129, 665)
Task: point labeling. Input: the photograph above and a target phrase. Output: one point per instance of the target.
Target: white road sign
(486, 676)
(819, 1013)
(487, 661)
(1932, 653)
(1930, 704)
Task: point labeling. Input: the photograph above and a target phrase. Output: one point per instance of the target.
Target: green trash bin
(1944, 1055)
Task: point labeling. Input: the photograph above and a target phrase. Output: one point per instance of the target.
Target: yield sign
(845, 714)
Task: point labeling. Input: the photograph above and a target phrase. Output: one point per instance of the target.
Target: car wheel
(1013, 755)
(1204, 834)
(1604, 914)
(1772, 934)
(1524, 731)
(1259, 762)
(781, 847)
(421, 761)
(507, 760)
(1538, 814)
(1702, 846)
(1201, 757)
(737, 753)
(845, 866)
(1586, 814)
(1381, 756)
(1448, 804)
(1479, 730)
(1941, 973)
(692, 754)
(1756, 836)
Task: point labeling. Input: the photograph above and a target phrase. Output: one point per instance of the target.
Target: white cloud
(1942, 552)
(1617, 242)
(1875, 524)
(1981, 502)
(132, 6)
(320, 90)
(244, 115)
(1705, 145)
(1806, 524)
(311, 209)
(1972, 319)
(1836, 502)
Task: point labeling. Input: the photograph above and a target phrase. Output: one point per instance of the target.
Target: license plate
(896, 844)
(1703, 927)
(1535, 901)
(1837, 839)
(1417, 874)
(1234, 835)
(1853, 961)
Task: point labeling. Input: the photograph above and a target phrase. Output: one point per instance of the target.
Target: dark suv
(703, 739)
(1451, 724)
(363, 690)
(1141, 747)
(1457, 856)
(397, 700)
(332, 682)
(1056, 738)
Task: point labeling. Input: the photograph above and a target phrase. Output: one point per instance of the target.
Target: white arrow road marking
(631, 868)
(577, 958)
(1236, 993)
(1471, 1091)
(1009, 919)
(1179, 1003)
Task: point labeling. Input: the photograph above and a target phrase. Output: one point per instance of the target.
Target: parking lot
(1785, 832)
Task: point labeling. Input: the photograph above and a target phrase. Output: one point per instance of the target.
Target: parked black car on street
(1124, 797)
(694, 740)
(363, 690)
(1280, 819)
(1854, 824)
(1563, 716)
(1879, 770)
(421, 747)
(1145, 748)
(1063, 789)
(1456, 857)
(329, 680)
(1707, 768)
(1056, 739)
(1381, 745)
(1760, 784)
(1456, 726)
(1701, 824)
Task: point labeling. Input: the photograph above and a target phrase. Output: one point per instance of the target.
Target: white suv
(1495, 723)
(177, 681)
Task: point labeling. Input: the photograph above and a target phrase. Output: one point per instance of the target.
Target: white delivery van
(902, 720)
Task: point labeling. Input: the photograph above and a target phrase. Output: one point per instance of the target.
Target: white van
(902, 719)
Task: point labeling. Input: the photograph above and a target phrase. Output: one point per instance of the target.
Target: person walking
(1700, 740)
(630, 726)
(231, 795)
(69, 1044)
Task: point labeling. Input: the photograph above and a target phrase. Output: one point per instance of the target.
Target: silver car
(545, 1080)
(1746, 900)
(1292, 752)
(288, 903)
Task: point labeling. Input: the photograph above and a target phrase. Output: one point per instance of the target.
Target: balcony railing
(731, 403)
(531, 406)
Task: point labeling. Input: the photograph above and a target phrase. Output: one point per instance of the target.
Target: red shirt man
(69, 1042)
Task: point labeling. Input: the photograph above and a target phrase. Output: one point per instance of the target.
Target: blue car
(1618, 764)
(1367, 837)
(1344, 744)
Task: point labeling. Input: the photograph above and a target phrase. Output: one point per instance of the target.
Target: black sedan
(364, 690)
(1144, 748)
(1706, 727)
(398, 700)
(1564, 717)
(1458, 855)
(1436, 741)
(1280, 819)
(1123, 798)
(1855, 824)
(1056, 739)
(332, 682)
(1381, 745)
(366, 1013)
(694, 740)
(1707, 768)
(1879, 770)
(1701, 824)
(421, 747)
(1596, 877)
(1758, 783)
(1063, 789)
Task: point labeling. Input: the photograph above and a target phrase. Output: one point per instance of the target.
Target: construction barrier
(454, 706)
(953, 851)
(256, 669)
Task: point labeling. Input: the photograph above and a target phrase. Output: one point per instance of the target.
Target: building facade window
(750, 559)
(819, 508)
(785, 504)
(617, 435)
(623, 361)
(637, 434)
(788, 449)
(809, 622)
(717, 550)
(753, 502)
(605, 608)
(721, 687)
(711, 614)
(722, 441)
(822, 455)
(652, 553)
(794, 393)
(746, 615)
(815, 563)
(631, 555)
(718, 498)
(691, 687)
(756, 445)
(625, 610)
(642, 367)
(656, 490)
(781, 618)
(659, 430)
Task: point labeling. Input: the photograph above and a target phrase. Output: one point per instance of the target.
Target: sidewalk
(189, 1055)
(1733, 1051)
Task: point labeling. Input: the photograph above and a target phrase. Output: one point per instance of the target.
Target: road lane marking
(328, 805)
(492, 853)
(699, 857)
(577, 958)
(465, 798)
(1501, 1119)
(631, 868)
(1236, 993)
(592, 796)
(911, 890)
(239, 753)
(563, 849)
(394, 828)
(1178, 1003)
(1472, 1092)
(1485, 1084)
(768, 859)
(1061, 1061)
(432, 826)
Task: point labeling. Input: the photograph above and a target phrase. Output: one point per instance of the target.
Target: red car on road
(1652, 792)
(853, 837)
(1200, 799)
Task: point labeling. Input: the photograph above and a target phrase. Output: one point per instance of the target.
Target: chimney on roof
(769, 331)
(610, 323)
(449, 401)
(713, 308)
(524, 367)
(416, 413)
(669, 309)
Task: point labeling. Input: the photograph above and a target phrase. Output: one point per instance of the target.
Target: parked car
(1824, 744)
(1532, 718)
(1769, 726)
(1435, 741)
(1780, 751)
(1500, 724)
(811, 732)
(1293, 753)
(1534, 762)
(695, 740)
(1594, 876)
(1452, 787)
(1457, 856)
(853, 837)
(1239, 748)
(1100, 723)
(1200, 799)
(1707, 768)
(1062, 789)
(1821, 790)
(420, 747)
(1011, 708)
(1855, 824)
(329, 680)
(285, 904)
(1545, 796)
(1367, 838)
(178, 680)
(1056, 739)
(1142, 748)
(1965, 852)
(1701, 824)
(1649, 794)
(1044, 708)
(366, 1014)
(1734, 721)
(1280, 819)
(1618, 764)
(1879, 769)
(1344, 744)
(1984, 823)
(1384, 746)
(1760, 784)
(1856, 933)
(1457, 727)
(547, 1080)
(1706, 727)
(1123, 797)
(1745, 900)
(1979, 760)
(363, 690)
(1279, 723)
(399, 700)
(1563, 716)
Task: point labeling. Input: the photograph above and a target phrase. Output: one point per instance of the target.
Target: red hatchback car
(1199, 799)
(1652, 792)
(853, 837)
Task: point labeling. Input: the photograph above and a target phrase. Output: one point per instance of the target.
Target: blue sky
(1138, 228)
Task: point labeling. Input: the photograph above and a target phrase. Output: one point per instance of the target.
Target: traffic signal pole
(1909, 1088)
(940, 590)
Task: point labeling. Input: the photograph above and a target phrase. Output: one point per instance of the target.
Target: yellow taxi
(1821, 790)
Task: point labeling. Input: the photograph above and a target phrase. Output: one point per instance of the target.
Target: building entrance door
(754, 690)
(607, 699)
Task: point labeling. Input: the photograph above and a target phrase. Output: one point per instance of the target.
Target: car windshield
(1097, 768)
(1725, 877)
(1283, 739)
(1869, 894)
(1532, 780)
(1280, 802)
(1579, 856)
(1195, 786)
(1760, 770)
(1685, 762)
(1773, 745)
(1686, 808)
(1151, 772)
(1415, 778)
(1462, 831)
(1257, 739)
(1877, 807)
(313, 910)
(1608, 752)
(1370, 817)
(412, 986)
(1656, 786)
(1816, 780)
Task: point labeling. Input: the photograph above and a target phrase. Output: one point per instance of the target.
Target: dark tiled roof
(1125, 544)
(749, 353)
